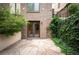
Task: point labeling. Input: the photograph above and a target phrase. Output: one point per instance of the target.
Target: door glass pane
(30, 29)
(37, 29)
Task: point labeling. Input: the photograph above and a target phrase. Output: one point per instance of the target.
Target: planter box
(7, 41)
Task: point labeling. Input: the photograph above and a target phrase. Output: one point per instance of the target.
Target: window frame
(32, 11)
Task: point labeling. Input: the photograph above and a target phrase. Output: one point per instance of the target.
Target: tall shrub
(55, 25)
(70, 32)
(9, 24)
(67, 31)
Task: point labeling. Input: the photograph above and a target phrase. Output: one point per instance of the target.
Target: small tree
(9, 24)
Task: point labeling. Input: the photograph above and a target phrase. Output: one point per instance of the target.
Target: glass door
(34, 29)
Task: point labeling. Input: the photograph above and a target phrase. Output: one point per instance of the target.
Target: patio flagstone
(34, 46)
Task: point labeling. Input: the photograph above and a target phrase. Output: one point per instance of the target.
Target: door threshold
(33, 38)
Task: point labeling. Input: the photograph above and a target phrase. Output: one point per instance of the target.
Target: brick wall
(63, 13)
(44, 16)
(4, 5)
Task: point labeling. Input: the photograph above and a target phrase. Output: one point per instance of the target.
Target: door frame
(33, 29)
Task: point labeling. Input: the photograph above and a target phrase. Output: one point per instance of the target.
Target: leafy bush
(70, 32)
(67, 31)
(64, 48)
(73, 8)
(9, 23)
(55, 25)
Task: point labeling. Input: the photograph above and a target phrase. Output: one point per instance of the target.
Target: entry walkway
(32, 47)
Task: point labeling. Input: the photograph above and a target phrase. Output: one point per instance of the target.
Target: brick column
(42, 29)
(24, 32)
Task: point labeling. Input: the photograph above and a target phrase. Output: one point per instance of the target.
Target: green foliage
(67, 31)
(54, 26)
(73, 8)
(9, 24)
(70, 32)
(64, 48)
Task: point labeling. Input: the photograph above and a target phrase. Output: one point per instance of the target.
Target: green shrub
(73, 8)
(67, 31)
(55, 25)
(70, 32)
(64, 48)
(9, 24)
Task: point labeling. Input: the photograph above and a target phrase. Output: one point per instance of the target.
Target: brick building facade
(38, 21)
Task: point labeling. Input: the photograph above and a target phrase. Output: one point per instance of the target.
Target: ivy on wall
(67, 31)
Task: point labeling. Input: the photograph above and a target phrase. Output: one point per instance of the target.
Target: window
(33, 7)
(58, 5)
(15, 8)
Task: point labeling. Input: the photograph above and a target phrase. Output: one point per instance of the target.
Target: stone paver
(33, 47)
